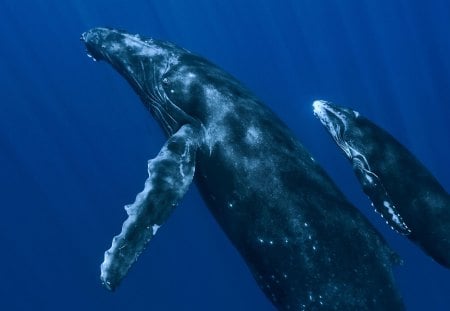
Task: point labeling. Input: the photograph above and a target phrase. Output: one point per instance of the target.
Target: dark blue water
(74, 138)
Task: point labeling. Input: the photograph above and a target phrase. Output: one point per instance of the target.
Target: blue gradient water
(74, 138)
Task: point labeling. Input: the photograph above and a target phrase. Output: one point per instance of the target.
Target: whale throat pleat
(170, 174)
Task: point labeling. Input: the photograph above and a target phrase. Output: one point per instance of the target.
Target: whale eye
(165, 81)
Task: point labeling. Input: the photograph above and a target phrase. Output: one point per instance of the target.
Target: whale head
(348, 128)
(337, 120)
(146, 64)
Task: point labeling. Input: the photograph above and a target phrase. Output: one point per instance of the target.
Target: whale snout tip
(319, 107)
(87, 36)
(93, 40)
(94, 35)
(106, 279)
(318, 104)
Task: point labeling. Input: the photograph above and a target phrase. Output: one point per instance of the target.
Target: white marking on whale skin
(187, 81)
(216, 129)
(369, 178)
(185, 76)
(253, 136)
(146, 48)
(358, 159)
(394, 216)
(362, 164)
(320, 108)
(155, 228)
(91, 57)
(142, 48)
(115, 47)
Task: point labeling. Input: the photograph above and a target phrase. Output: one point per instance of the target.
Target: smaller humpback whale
(401, 189)
(307, 247)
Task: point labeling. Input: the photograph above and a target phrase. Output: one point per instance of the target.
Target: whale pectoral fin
(170, 175)
(381, 201)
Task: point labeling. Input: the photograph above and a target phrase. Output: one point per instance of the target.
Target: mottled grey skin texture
(306, 245)
(421, 201)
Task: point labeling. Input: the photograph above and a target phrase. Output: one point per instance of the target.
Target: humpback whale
(307, 247)
(401, 189)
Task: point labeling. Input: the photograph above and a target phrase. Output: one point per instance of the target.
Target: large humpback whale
(401, 189)
(305, 244)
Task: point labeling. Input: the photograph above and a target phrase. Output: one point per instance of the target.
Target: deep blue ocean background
(75, 139)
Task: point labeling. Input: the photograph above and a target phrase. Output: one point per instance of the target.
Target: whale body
(307, 247)
(401, 188)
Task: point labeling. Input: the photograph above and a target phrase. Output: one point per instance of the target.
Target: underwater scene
(225, 155)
